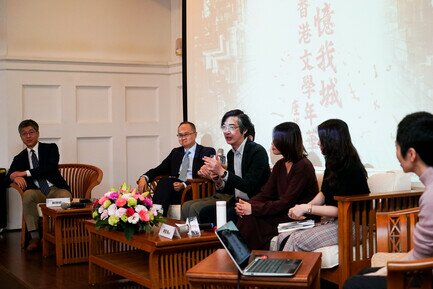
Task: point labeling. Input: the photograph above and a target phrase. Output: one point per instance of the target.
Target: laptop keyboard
(269, 266)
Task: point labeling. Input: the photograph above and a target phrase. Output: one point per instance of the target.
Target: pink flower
(144, 215)
(120, 202)
(129, 212)
(102, 200)
(148, 202)
(113, 196)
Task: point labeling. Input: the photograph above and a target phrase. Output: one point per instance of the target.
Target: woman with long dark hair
(292, 181)
(344, 175)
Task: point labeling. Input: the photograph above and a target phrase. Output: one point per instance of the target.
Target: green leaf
(129, 231)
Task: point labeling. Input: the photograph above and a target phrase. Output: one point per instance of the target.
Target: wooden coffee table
(65, 230)
(147, 259)
(219, 271)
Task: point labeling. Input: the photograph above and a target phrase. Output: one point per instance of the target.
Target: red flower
(130, 212)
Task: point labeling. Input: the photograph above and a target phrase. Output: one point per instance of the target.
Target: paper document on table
(293, 226)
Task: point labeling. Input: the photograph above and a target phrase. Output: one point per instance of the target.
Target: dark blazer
(171, 164)
(255, 170)
(48, 166)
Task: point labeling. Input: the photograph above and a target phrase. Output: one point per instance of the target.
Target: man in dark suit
(35, 170)
(247, 170)
(180, 165)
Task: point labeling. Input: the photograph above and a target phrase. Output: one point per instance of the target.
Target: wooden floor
(21, 270)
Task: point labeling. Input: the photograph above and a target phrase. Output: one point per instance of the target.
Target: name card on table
(57, 202)
(194, 229)
(168, 231)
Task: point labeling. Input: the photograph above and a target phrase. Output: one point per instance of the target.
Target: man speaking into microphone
(246, 172)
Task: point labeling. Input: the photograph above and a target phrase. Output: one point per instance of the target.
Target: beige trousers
(32, 198)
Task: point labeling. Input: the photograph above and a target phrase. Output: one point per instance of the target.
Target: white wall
(138, 30)
(100, 77)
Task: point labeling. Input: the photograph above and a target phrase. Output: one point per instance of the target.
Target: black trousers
(360, 281)
(165, 195)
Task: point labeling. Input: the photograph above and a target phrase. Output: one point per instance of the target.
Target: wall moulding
(165, 68)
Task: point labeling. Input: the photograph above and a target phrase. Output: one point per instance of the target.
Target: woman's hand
(243, 208)
(297, 212)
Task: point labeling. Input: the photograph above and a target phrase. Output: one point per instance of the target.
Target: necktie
(184, 166)
(43, 184)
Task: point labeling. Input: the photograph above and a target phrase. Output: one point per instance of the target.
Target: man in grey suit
(35, 170)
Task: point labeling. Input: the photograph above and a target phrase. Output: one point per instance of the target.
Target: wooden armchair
(197, 189)
(357, 229)
(394, 234)
(81, 178)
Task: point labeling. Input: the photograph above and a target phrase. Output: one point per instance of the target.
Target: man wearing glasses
(180, 165)
(247, 170)
(35, 170)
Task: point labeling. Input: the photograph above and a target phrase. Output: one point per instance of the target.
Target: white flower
(120, 212)
(126, 196)
(154, 211)
(140, 208)
(104, 214)
(100, 209)
(112, 209)
(134, 219)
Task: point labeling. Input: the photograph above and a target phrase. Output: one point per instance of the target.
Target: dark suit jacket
(48, 166)
(171, 164)
(255, 170)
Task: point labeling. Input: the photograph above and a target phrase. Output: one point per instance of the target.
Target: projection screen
(367, 62)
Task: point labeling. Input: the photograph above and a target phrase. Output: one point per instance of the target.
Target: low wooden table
(219, 271)
(65, 230)
(147, 259)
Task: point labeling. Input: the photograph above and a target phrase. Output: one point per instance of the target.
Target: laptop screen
(234, 243)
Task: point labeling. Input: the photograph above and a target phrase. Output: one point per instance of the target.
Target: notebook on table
(240, 253)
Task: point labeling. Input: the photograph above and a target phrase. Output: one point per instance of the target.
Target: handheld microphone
(66, 206)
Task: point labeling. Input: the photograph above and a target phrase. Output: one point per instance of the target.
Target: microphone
(221, 156)
(66, 206)
(206, 226)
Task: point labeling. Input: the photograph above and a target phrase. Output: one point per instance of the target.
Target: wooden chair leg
(23, 233)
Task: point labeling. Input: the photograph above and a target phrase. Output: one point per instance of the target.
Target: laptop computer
(239, 252)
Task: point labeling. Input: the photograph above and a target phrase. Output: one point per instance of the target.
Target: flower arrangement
(126, 210)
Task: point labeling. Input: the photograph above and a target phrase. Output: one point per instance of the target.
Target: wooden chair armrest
(400, 273)
(413, 265)
(384, 195)
(185, 193)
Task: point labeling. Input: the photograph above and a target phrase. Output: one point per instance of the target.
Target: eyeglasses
(228, 127)
(29, 133)
(187, 134)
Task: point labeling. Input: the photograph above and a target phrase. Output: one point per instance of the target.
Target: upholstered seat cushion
(380, 259)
